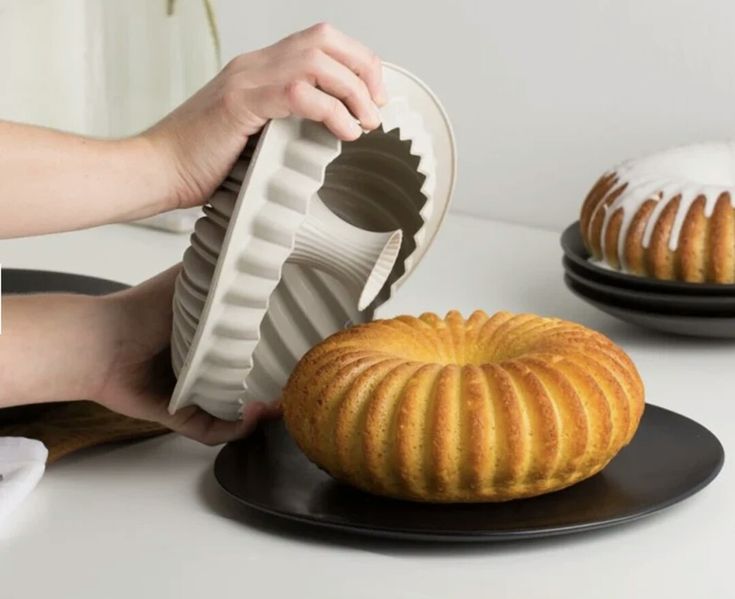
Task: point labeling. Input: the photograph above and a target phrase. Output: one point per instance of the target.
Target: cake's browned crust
(705, 249)
(611, 238)
(598, 220)
(635, 256)
(660, 258)
(594, 198)
(722, 242)
(448, 410)
(693, 242)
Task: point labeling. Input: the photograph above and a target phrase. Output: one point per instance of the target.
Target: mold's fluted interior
(373, 184)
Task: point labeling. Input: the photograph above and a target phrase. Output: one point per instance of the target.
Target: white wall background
(543, 95)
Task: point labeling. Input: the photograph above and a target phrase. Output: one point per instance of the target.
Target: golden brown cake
(668, 216)
(454, 410)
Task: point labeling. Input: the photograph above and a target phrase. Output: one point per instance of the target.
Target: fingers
(300, 98)
(318, 74)
(337, 80)
(352, 54)
(306, 101)
(200, 426)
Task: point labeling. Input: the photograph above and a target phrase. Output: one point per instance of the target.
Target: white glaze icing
(706, 169)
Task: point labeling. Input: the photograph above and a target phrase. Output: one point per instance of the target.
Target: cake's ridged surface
(448, 410)
(669, 216)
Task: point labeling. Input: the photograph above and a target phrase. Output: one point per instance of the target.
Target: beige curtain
(107, 68)
(102, 67)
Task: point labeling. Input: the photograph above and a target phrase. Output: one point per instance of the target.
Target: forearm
(52, 181)
(54, 347)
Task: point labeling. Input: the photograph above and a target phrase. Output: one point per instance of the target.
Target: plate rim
(574, 287)
(12, 270)
(481, 536)
(572, 231)
(699, 303)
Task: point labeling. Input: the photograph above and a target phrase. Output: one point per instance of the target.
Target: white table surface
(148, 520)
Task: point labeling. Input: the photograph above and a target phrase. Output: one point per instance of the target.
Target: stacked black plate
(697, 309)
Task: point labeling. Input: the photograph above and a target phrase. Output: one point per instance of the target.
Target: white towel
(22, 463)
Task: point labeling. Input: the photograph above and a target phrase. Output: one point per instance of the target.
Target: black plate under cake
(670, 458)
(574, 249)
(19, 280)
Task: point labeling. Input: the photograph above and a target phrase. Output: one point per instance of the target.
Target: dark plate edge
(642, 305)
(608, 286)
(633, 281)
(586, 296)
(113, 285)
(488, 537)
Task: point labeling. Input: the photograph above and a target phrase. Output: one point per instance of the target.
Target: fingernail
(374, 123)
(376, 115)
(355, 129)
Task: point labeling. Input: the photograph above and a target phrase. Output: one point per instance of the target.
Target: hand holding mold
(319, 74)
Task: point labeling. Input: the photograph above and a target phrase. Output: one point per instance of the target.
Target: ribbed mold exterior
(243, 315)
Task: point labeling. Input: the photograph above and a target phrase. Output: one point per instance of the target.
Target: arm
(112, 349)
(54, 347)
(52, 181)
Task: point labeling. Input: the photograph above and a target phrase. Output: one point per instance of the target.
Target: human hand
(138, 379)
(318, 74)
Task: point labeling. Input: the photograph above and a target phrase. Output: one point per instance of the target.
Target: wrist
(152, 167)
(164, 142)
(59, 347)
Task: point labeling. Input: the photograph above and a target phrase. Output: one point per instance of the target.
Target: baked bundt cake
(668, 216)
(454, 410)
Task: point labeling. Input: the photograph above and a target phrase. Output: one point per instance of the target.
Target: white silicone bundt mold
(305, 236)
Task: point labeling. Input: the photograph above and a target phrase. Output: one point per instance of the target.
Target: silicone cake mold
(305, 236)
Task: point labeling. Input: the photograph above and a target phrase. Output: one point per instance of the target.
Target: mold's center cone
(362, 260)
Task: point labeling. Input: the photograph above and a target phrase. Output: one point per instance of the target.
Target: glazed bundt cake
(454, 410)
(668, 216)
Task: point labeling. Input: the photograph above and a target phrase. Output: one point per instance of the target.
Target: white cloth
(22, 463)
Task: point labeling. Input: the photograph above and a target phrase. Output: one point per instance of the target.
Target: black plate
(692, 326)
(573, 246)
(670, 458)
(17, 280)
(665, 303)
